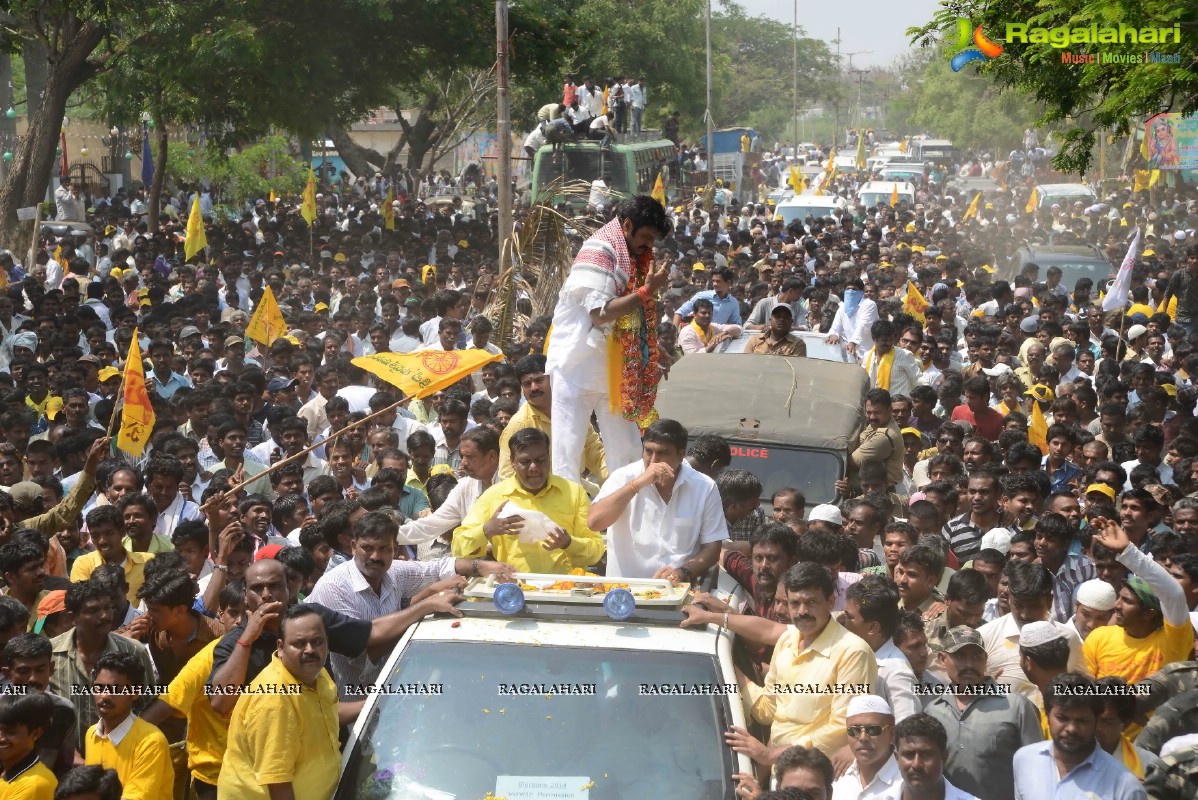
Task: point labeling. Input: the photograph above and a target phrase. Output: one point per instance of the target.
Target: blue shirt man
(1087, 770)
(725, 307)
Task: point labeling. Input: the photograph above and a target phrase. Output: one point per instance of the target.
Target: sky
(876, 25)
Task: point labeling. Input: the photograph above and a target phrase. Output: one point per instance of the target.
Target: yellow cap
(293, 340)
(341, 257)
(942, 257)
(108, 373)
(911, 432)
(1149, 252)
(988, 269)
(320, 307)
(1101, 488)
(910, 227)
(1170, 389)
(462, 243)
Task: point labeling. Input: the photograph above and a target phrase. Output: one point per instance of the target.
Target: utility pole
(836, 101)
(850, 57)
(794, 97)
(710, 121)
(503, 128)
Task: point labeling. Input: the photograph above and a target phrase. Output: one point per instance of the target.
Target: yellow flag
(894, 196)
(422, 373)
(915, 303)
(137, 415)
(1154, 177)
(274, 198)
(903, 146)
(196, 239)
(58, 254)
(308, 209)
(389, 210)
(1032, 202)
(267, 324)
(796, 180)
(1037, 429)
(972, 211)
(659, 190)
(831, 162)
(861, 161)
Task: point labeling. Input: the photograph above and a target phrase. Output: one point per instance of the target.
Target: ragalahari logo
(984, 48)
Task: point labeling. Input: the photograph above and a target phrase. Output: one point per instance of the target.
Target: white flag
(1116, 296)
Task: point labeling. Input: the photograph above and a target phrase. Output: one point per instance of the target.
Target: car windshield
(811, 471)
(1097, 271)
(791, 213)
(471, 741)
(882, 198)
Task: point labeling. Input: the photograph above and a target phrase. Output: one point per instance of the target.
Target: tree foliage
(269, 165)
(757, 84)
(1086, 98)
(968, 109)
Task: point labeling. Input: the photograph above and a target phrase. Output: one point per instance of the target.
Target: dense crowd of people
(1004, 591)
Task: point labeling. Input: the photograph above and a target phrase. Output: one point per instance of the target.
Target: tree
(968, 109)
(1086, 98)
(757, 83)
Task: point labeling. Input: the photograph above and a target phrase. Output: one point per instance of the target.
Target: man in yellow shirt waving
(120, 740)
(569, 544)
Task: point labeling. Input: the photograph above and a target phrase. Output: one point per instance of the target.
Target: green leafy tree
(1084, 99)
(968, 109)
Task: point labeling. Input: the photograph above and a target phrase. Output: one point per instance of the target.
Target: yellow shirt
(135, 570)
(35, 783)
(564, 502)
(142, 760)
(838, 665)
(594, 460)
(283, 738)
(207, 731)
(1141, 308)
(1110, 651)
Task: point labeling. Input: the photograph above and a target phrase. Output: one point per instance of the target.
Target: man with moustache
(816, 650)
(664, 518)
(536, 412)
(1071, 765)
(247, 649)
(284, 743)
(773, 549)
(609, 300)
(920, 750)
(374, 583)
(984, 724)
(870, 725)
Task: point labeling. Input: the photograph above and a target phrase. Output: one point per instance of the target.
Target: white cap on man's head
(868, 704)
(1096, 594)
(826, 513)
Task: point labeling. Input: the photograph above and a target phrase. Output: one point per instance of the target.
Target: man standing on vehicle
(881, 440)
(817, 669)
(664, 519)
(603, 353)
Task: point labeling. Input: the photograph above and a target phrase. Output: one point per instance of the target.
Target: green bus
(628, 168)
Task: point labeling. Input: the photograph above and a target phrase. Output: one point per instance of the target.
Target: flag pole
(301, 454)
(120, 392)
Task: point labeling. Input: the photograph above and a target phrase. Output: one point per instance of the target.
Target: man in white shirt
(874, 769)
(663, 518)
(637, 95)
(479, 450)
(68, 203)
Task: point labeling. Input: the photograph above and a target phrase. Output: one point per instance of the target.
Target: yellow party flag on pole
(389, 210)
(915, 303)
(903, 146)
(659, 190)
(421, 373)
(972, 211)
(267, 323)
(796, 180)
(894, 196)
(137, 414)
(1037, 429)
(308, 209)
(861, 161)
(196, 239)
(274, 198)
(1032, 202)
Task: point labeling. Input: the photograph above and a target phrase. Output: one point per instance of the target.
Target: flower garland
(634, 341)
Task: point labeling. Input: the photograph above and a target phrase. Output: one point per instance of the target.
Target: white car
(557, 699)
(799, 207)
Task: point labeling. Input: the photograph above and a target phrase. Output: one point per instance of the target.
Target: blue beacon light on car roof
(619, 604)
(509, 598)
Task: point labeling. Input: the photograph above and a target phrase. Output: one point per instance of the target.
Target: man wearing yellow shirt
(572, 544)
(22, 721)
(106, 524)
(283, 734)
(535, 413)
(120, 740)
(816, 670)
(207, 731)
(1151, 625)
